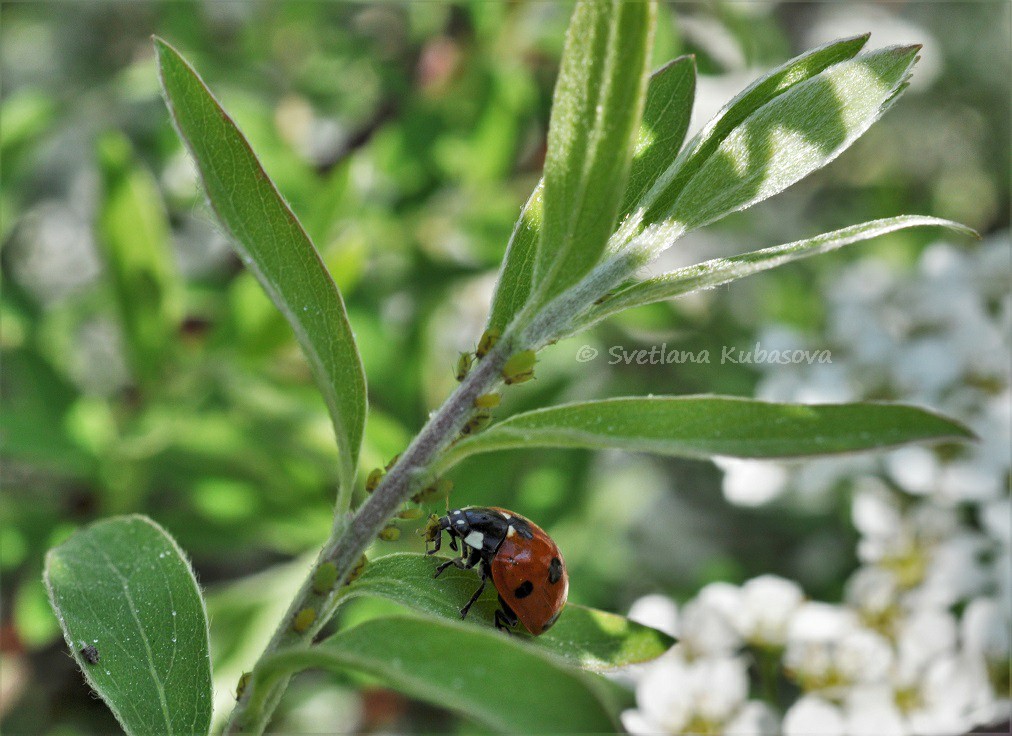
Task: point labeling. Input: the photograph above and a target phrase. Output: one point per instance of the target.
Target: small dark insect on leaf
(90, 654)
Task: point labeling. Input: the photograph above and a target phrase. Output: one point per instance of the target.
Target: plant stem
(353, 534)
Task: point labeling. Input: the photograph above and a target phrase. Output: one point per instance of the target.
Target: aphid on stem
(303, 620)
(488, 340)
(373, 479)
(519, 368)
(464, 363)
(487, 401)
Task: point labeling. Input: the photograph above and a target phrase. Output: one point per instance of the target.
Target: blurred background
(143, 370)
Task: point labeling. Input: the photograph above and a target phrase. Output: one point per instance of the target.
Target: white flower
(924, 637)
(678, 694)
(820, 622)
(813, 716)
(877, 515)
(948, 695)
(954, 572)
(874, 593)
(812, 638)
(863, 656)
(721, 687)
(663, 696)
(751, 482)
(985, 630)
(768, 603)
(872, 711)
(915, 468)
(996, 518)
(707, 621)
(657, 611)
(755, 718)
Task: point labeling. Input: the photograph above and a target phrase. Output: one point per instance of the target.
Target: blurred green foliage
(143, 370)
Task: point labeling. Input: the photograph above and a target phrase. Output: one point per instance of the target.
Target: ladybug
(524, 563)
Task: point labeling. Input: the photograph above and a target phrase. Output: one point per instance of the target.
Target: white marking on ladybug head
(474, 539)
(461, 522)
(457, 512)
(510, 532)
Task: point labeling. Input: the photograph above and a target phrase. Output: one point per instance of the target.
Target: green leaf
(724, 270)
(514, 285)
(665, 120)
(272, 244)
(796, 133)
(499, 681)
(584, 637)
(133, 233)
(757, 94)
(704, 426)
(125, 588)
(596, 112)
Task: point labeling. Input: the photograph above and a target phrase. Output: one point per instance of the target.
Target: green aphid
(488, 340)
(487, 401)
(240, 687)
(519, 368)
(464, 363)
(357, 570)
(476, 423)
(324, 578)
(390, 533)
(373, 479)
(434, 492)
(303, 620)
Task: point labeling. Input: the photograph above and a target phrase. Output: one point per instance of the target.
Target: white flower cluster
(921, 643)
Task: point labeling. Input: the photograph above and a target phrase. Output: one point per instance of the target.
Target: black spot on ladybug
(525, 588)
(555, 571)
(90, 654)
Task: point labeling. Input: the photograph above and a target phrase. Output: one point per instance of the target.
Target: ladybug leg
(453, 543)
(436, 544)
(464, 562)
(477, 593)
(442, 567)
(505, 618)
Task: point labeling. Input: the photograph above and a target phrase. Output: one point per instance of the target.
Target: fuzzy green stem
(353, 534)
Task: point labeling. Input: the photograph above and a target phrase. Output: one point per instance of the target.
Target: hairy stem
(352, 534)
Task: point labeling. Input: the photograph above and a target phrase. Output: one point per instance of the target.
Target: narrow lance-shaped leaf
(584, 637)
(724, 270)
(793, 135)
(500, 682)
(133, 232)
(757, 94)
(273, 244)
(134, 619)
(666, 117)
(517, 273)
(704, 426)
(596, 111)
